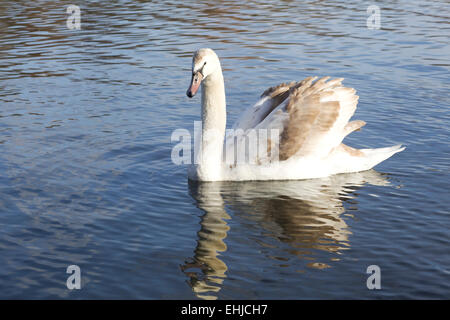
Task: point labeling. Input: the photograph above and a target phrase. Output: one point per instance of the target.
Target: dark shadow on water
(305, 216)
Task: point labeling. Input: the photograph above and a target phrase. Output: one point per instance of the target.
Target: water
(86, 177)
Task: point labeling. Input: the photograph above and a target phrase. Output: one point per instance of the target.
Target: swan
(299, 128)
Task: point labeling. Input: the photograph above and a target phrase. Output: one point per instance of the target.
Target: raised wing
(318, 118)
(311, 118)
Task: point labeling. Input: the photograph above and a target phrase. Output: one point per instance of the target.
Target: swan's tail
(375, 156)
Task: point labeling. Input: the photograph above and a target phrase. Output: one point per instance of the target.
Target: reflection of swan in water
(210, 240)
(305, 215)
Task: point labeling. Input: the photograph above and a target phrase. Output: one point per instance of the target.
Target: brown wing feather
(308, 115)
(277, 95)
(354, 126)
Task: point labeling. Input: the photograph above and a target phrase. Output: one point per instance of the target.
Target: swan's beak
(195, 84)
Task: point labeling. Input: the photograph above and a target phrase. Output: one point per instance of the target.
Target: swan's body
(299, 126)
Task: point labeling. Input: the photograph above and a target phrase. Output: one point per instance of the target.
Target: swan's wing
(269, 100)
(306, 118)
(318, 118)
(314, 119)
(245, 131)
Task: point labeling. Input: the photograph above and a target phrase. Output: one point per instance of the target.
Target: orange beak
(195, 84)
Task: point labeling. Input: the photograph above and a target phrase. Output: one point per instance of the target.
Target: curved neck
(214, 120)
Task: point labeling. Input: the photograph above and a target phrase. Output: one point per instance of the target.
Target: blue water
(86, 176)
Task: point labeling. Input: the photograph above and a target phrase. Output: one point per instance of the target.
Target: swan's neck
(214, 120)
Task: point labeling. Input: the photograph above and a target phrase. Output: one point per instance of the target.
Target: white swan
(302, 125)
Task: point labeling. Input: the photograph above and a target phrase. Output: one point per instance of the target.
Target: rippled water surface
(86, 177)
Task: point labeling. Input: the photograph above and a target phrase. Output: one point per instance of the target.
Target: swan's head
(204, 63)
